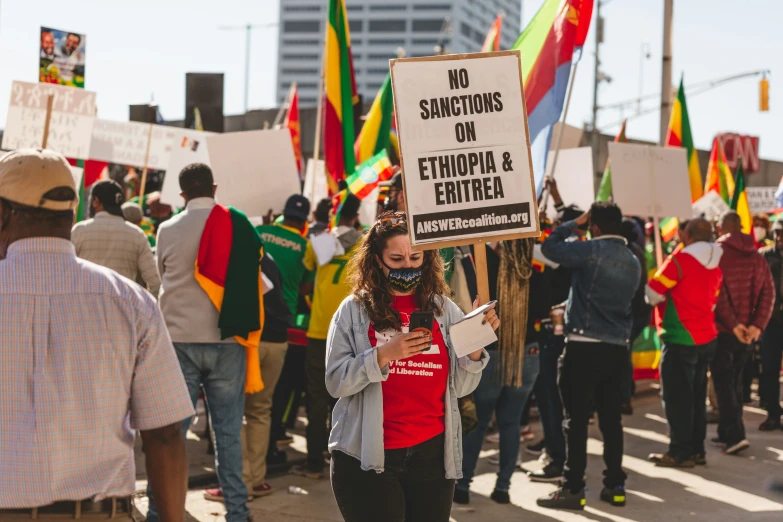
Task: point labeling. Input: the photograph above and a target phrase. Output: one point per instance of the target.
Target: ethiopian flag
(492, 41)
(719, 178)
(680, 136)
(605, 189)
(376, 131)
(228, 269)
(367, 176)
(739, 201)
(339, 131)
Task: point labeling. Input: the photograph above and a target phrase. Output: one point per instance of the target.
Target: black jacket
(775, 261)
(276, 311)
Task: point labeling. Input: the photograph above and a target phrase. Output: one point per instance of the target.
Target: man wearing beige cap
(86, 361)
(108, 240)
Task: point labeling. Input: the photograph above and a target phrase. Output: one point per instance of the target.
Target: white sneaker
(736, 448)
(493, 438)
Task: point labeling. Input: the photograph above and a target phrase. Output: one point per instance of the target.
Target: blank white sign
(187, 146)
(574, 178)
(650, 181)
(255, 171)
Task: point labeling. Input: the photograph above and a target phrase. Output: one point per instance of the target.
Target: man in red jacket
(744, 309)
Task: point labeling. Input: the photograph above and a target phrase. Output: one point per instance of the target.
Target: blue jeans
(550, 406)
(220, 369)
(507, 402)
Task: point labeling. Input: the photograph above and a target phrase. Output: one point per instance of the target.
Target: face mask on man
(759, 234)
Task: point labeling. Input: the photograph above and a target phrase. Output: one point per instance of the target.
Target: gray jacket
(354, 377)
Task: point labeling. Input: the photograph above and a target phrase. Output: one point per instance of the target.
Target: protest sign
(316, 187)
(125, 142)
(71, 123)
(255, 171)
(78, 174)
(574, 178)
(710, 206)
(187, 146)
(462, 128)
(762, 199)
(650, 181)
(62, 57)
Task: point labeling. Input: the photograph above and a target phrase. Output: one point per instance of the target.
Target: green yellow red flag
(719, 178)
(679, 135)
(605, 189)
(492, 41)
(376, 131)
(739, 201)
(371, 172)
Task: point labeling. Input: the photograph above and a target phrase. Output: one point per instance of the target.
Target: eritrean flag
(340, 82)
(292, 123)
(492, 41)
(739, 200)
(548, 43)
(605, 189)
(228, 269)
(367, 176)
(376, 131)
(679, 135)
(719, 178)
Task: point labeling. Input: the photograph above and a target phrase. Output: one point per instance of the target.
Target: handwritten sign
(710, 206)
(650, 181)
(762, 199)
(125, 142)
(465, 148)
(70, 129)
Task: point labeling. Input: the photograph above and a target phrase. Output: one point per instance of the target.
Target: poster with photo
(62, 57)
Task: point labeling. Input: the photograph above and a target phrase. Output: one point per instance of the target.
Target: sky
(142, 49)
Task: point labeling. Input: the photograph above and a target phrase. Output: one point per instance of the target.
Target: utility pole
(599, 37)
(248, 28)
(666, 70)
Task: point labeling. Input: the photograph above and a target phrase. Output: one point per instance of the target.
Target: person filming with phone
(390, 360)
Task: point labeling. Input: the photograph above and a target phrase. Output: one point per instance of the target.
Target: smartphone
(422, 321)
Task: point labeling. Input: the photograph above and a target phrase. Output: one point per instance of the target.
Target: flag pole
(146, 159)
(656, 219)
(545, 194)
(284, 106)
(48, 120)
(318, 118)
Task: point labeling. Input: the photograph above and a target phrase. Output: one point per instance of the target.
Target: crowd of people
(112, 329)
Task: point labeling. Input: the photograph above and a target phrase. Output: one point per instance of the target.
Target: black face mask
(403, 280)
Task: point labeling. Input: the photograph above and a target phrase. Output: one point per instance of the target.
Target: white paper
(71, 124)
(187, 146)
(710, 205)
(574, 178)
(255, 171)
(651, 181)
(469, 335)
(315, 189)
(125, 142)
(267, 283)
(324, 246)
(498, 197)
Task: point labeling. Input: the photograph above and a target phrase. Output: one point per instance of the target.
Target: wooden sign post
(467, 172)
(153, 114)
(48, 120)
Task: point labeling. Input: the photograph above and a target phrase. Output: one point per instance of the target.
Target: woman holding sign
(396, 429)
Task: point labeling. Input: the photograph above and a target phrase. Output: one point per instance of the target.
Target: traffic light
(764, 95)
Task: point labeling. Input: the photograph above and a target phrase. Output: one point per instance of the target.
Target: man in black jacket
(772, 340)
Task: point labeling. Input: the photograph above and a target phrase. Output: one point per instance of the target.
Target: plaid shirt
(112, 242)
(85, 359)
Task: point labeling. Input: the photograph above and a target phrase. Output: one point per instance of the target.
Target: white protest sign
(78, 174)
(187, 146)
(650, 181)
(710, 206)
(762, 199)
(125, 142)
(70, 127)
(368, 211)
(315, 189)
(465, 148)
(255, 171)
(574, 178)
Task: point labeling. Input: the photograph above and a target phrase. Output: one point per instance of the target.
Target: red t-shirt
(414, 393)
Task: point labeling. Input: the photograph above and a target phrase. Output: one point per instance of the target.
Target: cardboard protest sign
(650, 181)
(574, 178)
(187, 146)
(70, 128)
(255, 171)
(62, 57)
(762, 199)
(125, 142)
(316, 187)
(465, 148)
(710, 206)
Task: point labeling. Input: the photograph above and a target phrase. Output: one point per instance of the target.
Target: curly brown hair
(369, 282)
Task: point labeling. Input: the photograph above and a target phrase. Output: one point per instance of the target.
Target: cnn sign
(735, 146)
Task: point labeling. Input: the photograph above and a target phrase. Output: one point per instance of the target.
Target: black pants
(412, 488)
(288, 393)
(592, 374)
(684, 383)
(318, 406)
(727, 371)
(771, 355)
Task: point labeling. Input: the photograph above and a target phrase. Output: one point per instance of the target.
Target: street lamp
(248, 28)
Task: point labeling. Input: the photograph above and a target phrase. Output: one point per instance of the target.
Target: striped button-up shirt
(85, 359)
(112, 242)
